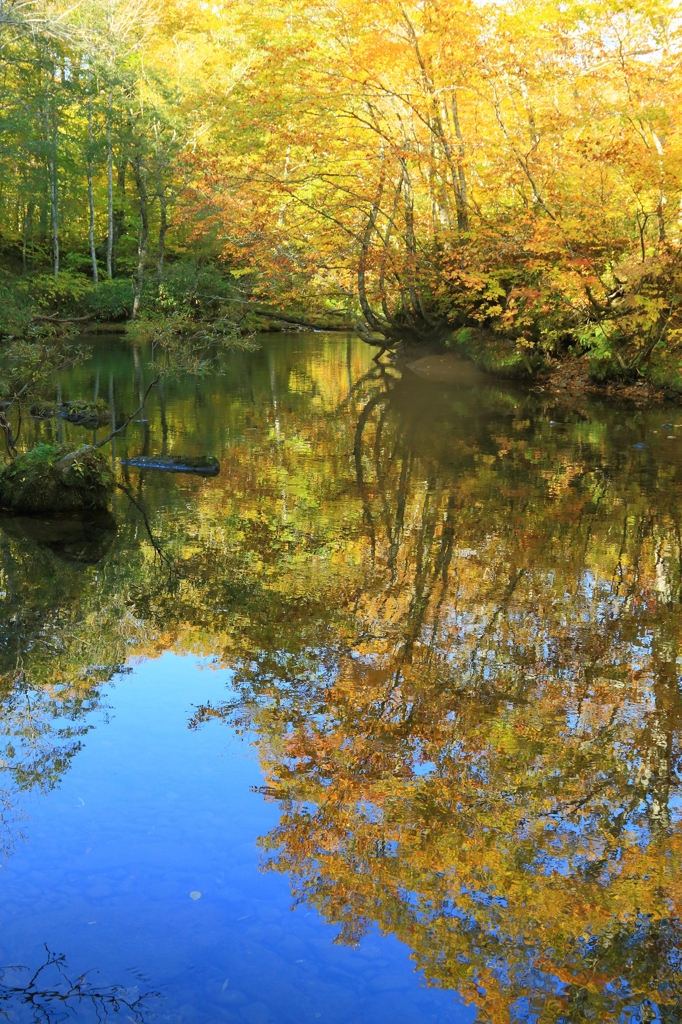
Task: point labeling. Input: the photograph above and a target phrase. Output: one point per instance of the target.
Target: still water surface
(409, 665)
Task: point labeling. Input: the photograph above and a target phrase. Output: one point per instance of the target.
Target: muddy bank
(568, 377)
(572, 377)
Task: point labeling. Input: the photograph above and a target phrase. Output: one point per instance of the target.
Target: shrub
(494, 353)
(63, 294)
(183, 287)
(78, 262)
(16, 310)
(111, 300)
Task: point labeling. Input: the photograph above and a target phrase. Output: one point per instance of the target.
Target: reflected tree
(453, 620)
(482, 758)
(48, 995)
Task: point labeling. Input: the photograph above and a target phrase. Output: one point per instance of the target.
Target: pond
(381, 724)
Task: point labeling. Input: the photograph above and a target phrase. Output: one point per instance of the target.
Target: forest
(235, 240)
(499, 178)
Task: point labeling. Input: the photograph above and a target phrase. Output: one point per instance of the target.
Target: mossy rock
(43, 410)
(85, 414)
(56, 478)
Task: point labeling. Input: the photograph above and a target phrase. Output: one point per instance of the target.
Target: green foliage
(601, 343)
(56, 478)
(175, 291)
(495, 353)
(24, 299)
(62, 294)
(78, 263)
(665, 370)
(185, 286)
(29, 364)
(184, 290)
(111, 300)
(15, 310)
(84, 413)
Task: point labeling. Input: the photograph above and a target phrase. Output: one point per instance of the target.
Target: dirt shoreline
(572, 377)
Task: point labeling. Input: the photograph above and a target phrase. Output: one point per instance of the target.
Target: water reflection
(484, 758)
(454, 620)
(47, 995)
(41, 731)
(76, 537)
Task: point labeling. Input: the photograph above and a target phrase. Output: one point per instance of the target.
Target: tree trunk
(54, 211)
(461, 193)
(143, 234)
(26, 233)
(42, 220)
(51, 137)
(163, 228)
(119, 212)
(110, 191)
(374, 323)
(91, 197)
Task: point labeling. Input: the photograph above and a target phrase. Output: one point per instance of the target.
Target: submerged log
(206, 465)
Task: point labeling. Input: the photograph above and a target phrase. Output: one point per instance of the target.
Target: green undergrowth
(663, 369)
(494, 353)
(505, 358)
(666, 372)
(56, 478)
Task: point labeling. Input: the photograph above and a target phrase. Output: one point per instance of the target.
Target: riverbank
(574, 372)
(570, 377)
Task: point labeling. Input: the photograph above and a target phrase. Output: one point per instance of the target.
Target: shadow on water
(76, 537)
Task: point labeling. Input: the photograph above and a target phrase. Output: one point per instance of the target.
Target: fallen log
(54, 318)
(206, 465)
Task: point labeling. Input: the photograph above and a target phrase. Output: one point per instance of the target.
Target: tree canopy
(422, 168)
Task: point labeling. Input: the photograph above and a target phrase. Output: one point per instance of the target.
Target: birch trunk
(143, 235)
(163, 228)
(51, 138)
(110, 191)
(91, 197)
